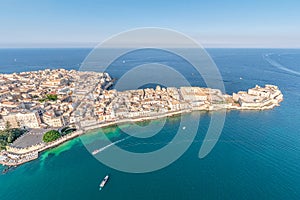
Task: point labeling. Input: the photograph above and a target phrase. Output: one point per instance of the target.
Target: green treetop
(51, 136)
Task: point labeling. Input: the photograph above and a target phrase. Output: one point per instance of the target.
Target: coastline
(88, 106)
(33, 152)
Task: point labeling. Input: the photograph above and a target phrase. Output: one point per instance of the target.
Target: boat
(103, 182)
(96, 151)
(7, 169)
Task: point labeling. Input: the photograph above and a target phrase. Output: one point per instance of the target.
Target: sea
(256, 157)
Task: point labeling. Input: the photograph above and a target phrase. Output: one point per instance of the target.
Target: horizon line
(92, 45)
(204, 47)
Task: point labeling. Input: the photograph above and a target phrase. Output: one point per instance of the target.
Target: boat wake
(278, 65)
(109, 145)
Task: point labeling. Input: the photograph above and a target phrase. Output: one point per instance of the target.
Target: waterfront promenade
(14, 156)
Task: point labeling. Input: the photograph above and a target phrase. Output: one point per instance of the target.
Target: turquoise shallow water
(256, 157)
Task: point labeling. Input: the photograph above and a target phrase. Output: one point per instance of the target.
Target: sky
(85, 23)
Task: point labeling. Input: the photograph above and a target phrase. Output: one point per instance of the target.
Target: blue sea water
(256, 157)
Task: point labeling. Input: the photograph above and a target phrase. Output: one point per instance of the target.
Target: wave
(278, 65)
(109, 145)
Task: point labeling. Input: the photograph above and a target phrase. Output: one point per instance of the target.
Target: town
(45, 100)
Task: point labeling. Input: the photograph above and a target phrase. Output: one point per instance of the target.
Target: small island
(45, 108)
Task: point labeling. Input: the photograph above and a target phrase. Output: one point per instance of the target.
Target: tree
(10, 138)
(9, 135)
(7, 125)
(51, 97)
(51, 136)
(18, 124)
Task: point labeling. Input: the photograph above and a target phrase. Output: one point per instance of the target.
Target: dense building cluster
(54, 98)
(45, 98)
(258, 97)
(48, 99)
(112, 105)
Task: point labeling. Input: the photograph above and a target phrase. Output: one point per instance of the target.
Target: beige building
(30, 120)
(4, 94)
(247, 100)
(12, 119)
(193, 94)
(2, 125)
(52, 120)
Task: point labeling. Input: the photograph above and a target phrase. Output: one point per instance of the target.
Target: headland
(61, 100)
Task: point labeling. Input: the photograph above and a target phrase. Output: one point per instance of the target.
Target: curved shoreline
(31, 153)
(17, 156)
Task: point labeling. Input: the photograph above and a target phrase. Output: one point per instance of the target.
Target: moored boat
(7, 169)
